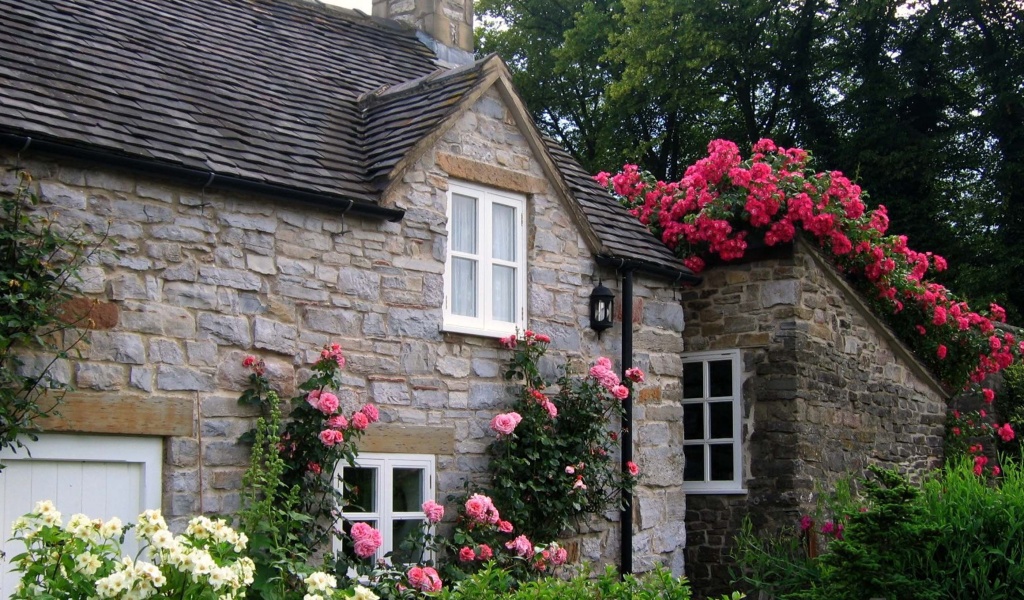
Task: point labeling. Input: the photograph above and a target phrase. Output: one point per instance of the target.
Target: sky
(364, 5)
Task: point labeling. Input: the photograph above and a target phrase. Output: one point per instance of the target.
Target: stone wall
(827, 391)
(198, 280)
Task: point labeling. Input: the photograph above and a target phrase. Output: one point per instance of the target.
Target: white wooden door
(100, 476)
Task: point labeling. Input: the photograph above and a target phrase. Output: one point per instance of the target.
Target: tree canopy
(920, 101)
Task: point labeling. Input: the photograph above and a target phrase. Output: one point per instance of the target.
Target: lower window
(387, 491)
(712, 422)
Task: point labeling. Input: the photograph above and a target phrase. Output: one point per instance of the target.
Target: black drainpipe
(206, 179)
(626, 519)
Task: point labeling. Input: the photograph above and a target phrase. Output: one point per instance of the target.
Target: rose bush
(722, 200)
(560, 461)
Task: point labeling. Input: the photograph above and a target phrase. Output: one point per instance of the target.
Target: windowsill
(715, 491)
(478, 331)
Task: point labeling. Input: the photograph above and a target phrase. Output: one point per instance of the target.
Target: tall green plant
(559, 459)
(38, 261)
(956, 536)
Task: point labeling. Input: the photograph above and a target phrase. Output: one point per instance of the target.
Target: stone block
(160, 319)
(116, 346)
(166, 351)
(416, 323)
(275, 336)
(232, 278)
(181, 452)
(141, 378)
(389, 392)
(225, 453)
(64, 196)
(95, 376)
(173, 378)
(225, 330)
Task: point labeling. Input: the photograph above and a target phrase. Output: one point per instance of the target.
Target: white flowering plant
(85, 558)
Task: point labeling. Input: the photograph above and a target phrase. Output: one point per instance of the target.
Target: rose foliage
(724, 202)
(555, 456)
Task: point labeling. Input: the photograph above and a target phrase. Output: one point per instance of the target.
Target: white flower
(199, 528)
(320, 582)
(362, 593)
(163, 540)
(222, 576)
(87, 563)
(151, 522)
(111, 528)
(312, 597)
(48, 513)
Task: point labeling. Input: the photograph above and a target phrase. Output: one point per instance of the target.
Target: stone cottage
(274, 175)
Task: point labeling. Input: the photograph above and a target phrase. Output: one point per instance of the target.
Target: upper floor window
(387, 492)
(712, 422)
(485, 269)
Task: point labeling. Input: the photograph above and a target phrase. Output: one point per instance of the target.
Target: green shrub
(493, 583)
(957, 535)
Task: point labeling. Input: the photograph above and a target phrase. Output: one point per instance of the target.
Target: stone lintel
(120, 413)
(491, 175)
(408, 439)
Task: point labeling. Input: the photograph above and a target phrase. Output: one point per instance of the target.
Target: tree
(919, 101)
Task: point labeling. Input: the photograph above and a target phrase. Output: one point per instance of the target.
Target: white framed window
(485, 266)
(712, 422)
(387, 491)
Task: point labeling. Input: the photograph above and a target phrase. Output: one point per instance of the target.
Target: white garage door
(100, 476)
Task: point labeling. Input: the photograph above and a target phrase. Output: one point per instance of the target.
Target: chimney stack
(450, 22)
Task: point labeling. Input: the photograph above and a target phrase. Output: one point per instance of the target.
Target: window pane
(721, 419)
(721, 462)
(503, 281)
(720, 373)
(693, 468)
(503, 232)
(407, 490)
(693, 421)
(360, 489)
(463, 225)
(463, 287)
(693, 380)
(401, 529)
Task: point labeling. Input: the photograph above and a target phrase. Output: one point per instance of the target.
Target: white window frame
(384, 516)
(707, 486)
(484, 324)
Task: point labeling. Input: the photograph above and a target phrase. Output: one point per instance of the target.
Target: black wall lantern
(602, 303)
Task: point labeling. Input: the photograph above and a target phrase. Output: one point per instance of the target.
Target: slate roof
(620, 233)
(287, 93)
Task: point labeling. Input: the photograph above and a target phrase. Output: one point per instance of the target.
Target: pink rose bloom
(806, 522)
(371, 412)
(330, 437)
(604, 362)
(467, 554)
(477, 507)
(1006, 432)
(632, 468)
(521, 546)
(635, 375)
(337, 422)
(543, 338)
(941, 352)
(328, 403)
(314, 399)
(248, 361)
(570, 470)
(550, 407)
(484, 552)
(433, 510)
(509, 342)
(505, 424)
(620, 391)
(579, 485)
(505, 527)
(989, 395)
(366, 540)
(424, 579)
(559, 557)
(359, 421)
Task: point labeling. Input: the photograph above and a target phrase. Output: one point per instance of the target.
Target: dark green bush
(955, 536)
(496, 584)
